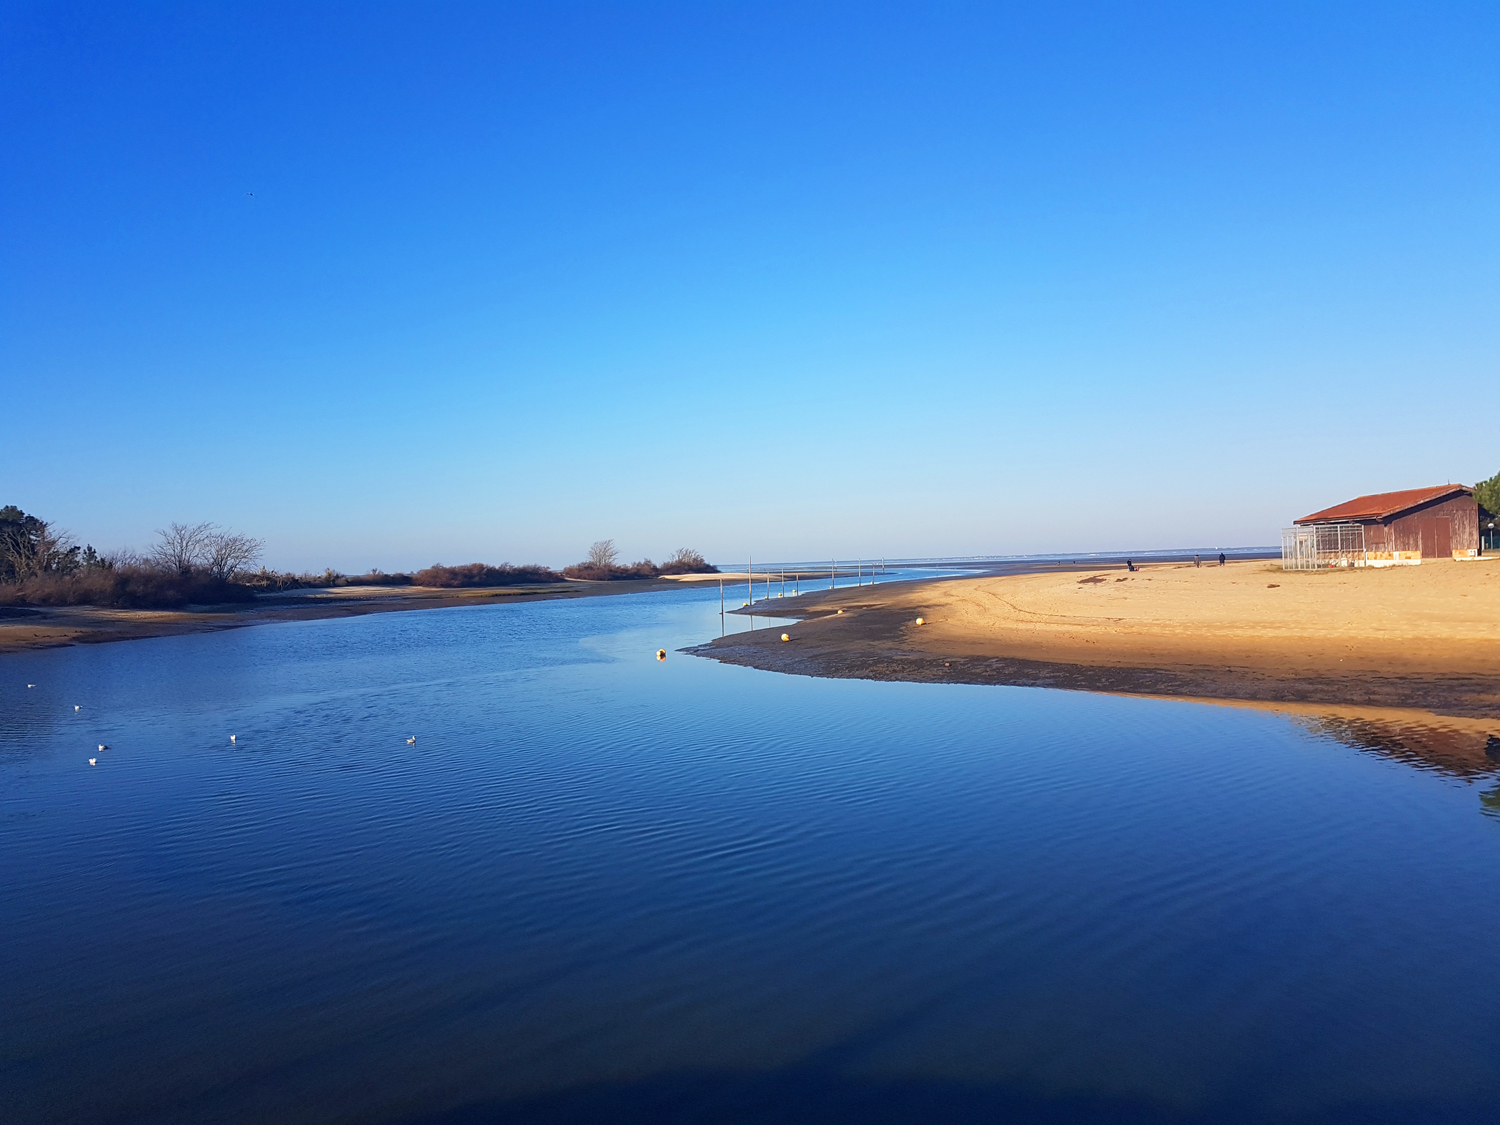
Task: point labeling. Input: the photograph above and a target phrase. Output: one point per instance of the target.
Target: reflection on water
(1465, 751)
(603, 888)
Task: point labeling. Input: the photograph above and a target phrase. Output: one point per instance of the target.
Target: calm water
(601, 888)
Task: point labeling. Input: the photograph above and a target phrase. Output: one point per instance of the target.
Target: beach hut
(1386, 529)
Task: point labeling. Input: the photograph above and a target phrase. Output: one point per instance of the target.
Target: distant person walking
(1221, 558)
(1197, 560)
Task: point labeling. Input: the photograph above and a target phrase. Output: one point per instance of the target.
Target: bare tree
(30, 547)
(228, 555)
(686, 556)
(603, 553)
(183, 546)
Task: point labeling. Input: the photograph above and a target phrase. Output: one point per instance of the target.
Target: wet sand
(23, 628)
(1422, 639)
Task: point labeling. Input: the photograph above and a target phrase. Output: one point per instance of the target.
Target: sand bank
(1423, 638)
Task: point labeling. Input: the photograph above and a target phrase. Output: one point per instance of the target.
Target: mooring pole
(750, 579)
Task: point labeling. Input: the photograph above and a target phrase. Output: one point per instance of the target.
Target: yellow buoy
(785, 637)
(661, 654)
(920, 621)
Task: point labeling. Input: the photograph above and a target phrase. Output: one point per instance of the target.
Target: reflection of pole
(721, 605)
(859, 572)
(833, 575)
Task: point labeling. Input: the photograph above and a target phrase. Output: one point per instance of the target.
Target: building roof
(1384, 505)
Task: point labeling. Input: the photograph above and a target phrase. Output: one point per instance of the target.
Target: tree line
(206, 564)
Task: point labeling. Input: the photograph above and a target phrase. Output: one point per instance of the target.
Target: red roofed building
(1420, 523)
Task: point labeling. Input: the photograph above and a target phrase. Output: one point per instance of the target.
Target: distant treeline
(203, 564)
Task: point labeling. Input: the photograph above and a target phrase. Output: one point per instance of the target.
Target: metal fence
(1323, 545)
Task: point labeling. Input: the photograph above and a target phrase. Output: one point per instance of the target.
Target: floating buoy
(785, 637)
(93, 761)
(661, 654)
(841, 611)
(920, 621)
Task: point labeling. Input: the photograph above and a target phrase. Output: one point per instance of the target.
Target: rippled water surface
(604, 888)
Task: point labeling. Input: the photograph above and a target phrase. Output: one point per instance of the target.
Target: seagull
(231, 738)
(31, 685)
(76, 707)
(412, 741)
(103, 747)
(93, 761)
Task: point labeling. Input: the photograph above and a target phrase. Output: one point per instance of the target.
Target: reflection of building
(1387, 529)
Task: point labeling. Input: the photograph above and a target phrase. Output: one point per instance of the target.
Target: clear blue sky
(802, 280)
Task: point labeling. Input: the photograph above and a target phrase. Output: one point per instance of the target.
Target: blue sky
(801, 281)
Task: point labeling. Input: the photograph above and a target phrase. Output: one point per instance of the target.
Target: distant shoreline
(28, 628)
(1412, 638)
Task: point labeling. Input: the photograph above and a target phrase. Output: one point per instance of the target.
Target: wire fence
(1323, 545)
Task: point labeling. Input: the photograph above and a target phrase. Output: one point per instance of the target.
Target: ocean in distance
(605, 888)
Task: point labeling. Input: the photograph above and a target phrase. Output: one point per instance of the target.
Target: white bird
(412, 741)
(103, 747)
(31, 685)
(93, 761)
(76, 707)
(231, 738)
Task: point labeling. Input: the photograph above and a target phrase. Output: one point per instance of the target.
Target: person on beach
(1197, 560)
(1130, 566)
(1221, 558)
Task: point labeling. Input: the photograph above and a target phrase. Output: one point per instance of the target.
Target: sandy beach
(1423, 638)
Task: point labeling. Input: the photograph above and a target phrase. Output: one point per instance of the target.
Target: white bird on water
(103, 747)
(412, 741)
(93, 761)
(231, 738)
(76, 707)
(31, 685)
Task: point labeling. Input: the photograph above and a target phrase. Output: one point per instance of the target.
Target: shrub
(479, 574)
(592, 572)
(684, 561)
(125, 587)
(688, 561)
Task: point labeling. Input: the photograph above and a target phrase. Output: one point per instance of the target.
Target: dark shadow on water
(798, 1096)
